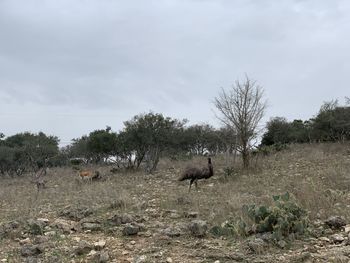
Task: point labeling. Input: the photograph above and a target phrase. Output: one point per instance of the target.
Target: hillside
(132, 217)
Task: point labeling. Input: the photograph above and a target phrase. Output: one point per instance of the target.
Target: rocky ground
(154, 219)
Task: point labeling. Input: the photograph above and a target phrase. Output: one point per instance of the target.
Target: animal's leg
(191, 182)
(195, 183)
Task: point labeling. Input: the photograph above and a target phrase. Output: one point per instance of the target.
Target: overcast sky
(69, 67)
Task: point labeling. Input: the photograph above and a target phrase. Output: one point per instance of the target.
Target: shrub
(229, 171)
(283, 218)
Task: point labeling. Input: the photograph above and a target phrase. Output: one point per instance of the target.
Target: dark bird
(194, 174)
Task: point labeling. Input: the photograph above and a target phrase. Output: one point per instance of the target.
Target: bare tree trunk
(245, 157)
(235, 151)
(227, 155)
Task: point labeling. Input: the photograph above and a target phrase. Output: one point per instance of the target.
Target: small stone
(325, 239)
(267, 237)
(47, 228)
(24, 241)
(41, 239)
(120, 219)
(347, 229)
(169, 260)
(91, 226)
(31, 250)
(175, 216)
(141, 259)
(65, 225)
(147, 234)
(132, 242)
(129, 247)
(50, 233)
(256, 245)
(172, 232)
(92, 253)
(83, 248)
(217, 261)
(100, 245)
(336, 238)
(44, 221)
(131, 229)
(335, 222)
(125, 252)
(192, 214)
(282, 244)
(328, 231)
(198, 228)
(104, 257)
(76, 214)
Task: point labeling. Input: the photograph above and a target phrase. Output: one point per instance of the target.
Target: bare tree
(242, 108)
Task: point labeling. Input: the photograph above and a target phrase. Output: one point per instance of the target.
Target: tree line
(331, 124)
(142, 142)
(147, 137)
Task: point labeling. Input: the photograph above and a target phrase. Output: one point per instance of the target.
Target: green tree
(278, 131)
(149, 136)
(79, 148)
(201, 138)
(299, 131)
(27, 151)
(226, 140)
(102, 144)
(332, 123)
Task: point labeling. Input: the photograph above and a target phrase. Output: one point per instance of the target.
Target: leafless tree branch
(242, 108)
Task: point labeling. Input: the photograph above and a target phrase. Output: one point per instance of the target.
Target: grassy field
(317, 177)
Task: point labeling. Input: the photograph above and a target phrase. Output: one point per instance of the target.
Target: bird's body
(194, 174)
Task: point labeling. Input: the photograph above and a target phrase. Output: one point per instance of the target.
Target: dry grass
(19, 197)
(318, 176)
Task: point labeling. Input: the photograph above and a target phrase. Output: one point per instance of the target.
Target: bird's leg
(191, 182)
(195, 183)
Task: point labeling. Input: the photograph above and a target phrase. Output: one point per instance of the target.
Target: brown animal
(194, 174)
(89, 175)
(39, 180)
(40, 184)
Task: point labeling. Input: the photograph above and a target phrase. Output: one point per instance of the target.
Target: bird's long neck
(210, 167)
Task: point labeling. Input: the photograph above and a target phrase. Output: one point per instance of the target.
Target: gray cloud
(95, 63)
